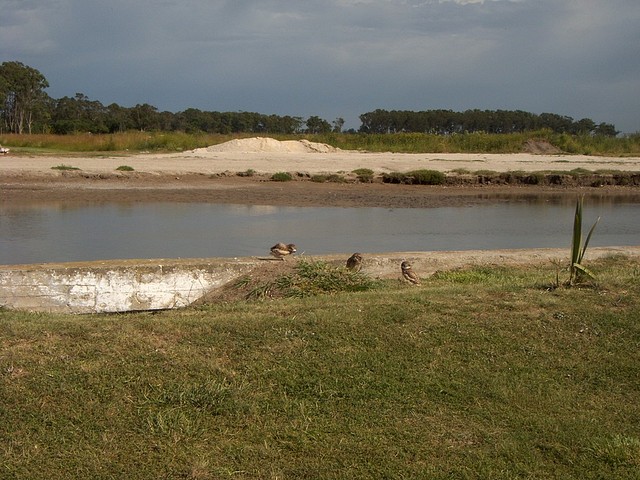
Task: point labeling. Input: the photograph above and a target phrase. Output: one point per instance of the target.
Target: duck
(354, 262)
(281, 250)
(408, 274)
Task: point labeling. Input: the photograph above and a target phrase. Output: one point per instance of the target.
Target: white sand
(266, 155)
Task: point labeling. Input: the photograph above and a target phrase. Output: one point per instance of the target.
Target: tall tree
(316, 124)
(22, 94)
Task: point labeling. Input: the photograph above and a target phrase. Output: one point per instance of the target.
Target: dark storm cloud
(337, 58)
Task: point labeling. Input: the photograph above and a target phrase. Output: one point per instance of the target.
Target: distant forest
(26, 108)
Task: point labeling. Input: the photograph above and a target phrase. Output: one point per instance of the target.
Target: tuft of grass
(281, 177)
(125, 168)
(247, 173)
(64, 167)
(427, 177)
(364, 175)
(415, 177)
(319, 178)
(336, 178)
(308, 278)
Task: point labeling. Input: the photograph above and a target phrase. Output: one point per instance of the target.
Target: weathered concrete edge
(114, 286)
(157, 284)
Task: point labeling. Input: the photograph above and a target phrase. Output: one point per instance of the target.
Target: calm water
(169, 230)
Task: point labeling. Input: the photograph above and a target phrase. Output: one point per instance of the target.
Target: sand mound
(540, 147)
(263, 144)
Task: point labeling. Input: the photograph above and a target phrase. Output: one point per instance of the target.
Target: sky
(337, 58)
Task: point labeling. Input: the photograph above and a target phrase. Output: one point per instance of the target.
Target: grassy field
(479, 373)
(134, 142)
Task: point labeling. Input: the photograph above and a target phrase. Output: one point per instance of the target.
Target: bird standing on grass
(408, 274)
(280, 250)
(354, 262)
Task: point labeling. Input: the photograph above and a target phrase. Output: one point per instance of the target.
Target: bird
(354, 262)
(408, 274)
(280, 250)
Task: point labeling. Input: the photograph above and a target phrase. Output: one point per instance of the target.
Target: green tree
(605, 129)
(22, 95)
(316, 124)
(145, 117)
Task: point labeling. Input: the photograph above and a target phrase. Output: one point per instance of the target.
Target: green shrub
(394, 177)
(335, 178)
(247, 173)
(535, 178)
(427, 177)
(125, 168)
(365, 175)
(319, 178)
(281, 177)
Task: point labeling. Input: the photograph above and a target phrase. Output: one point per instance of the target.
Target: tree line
(448, 122)
(26, 108)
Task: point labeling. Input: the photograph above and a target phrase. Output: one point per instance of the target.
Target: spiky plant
(578, 249)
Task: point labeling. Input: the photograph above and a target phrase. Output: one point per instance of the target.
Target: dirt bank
(219, 176)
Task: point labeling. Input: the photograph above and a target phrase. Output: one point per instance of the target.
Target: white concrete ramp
(114, 286)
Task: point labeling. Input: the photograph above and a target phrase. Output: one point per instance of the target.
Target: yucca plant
(577, 270)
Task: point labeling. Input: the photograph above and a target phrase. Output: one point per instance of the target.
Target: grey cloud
(337, 58)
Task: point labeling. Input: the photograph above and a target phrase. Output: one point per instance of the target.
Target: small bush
(394, 177)
(64, 167)
(365, 175)
(125, 168)
(535, 178)
(335, 178)
(427, 177)
(247, 173)
(362, 171)
(319, 178)
(281, 177)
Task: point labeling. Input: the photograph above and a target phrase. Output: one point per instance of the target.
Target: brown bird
(354, 262)
(280, 250)
(408, 274)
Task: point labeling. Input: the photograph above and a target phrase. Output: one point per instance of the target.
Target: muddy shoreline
(72, 187)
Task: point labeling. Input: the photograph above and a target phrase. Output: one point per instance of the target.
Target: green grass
(482, 143)
(133, 142)
(477, 373)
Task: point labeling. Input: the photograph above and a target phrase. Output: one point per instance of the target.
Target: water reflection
(71, 232)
